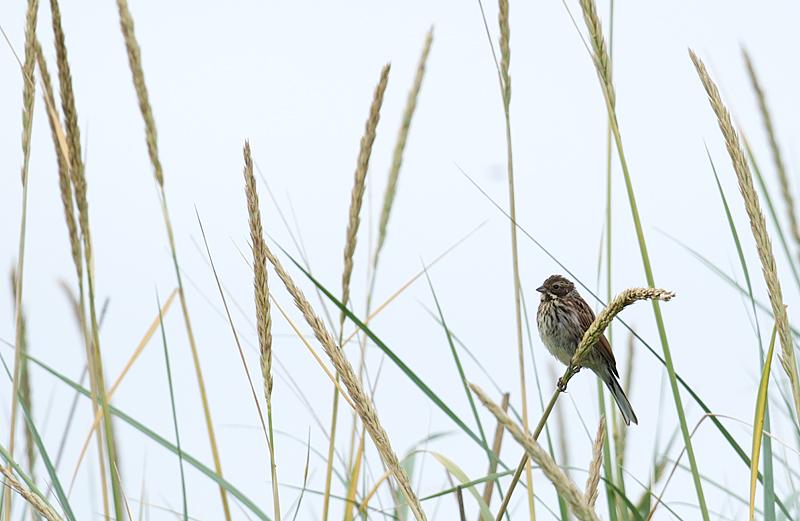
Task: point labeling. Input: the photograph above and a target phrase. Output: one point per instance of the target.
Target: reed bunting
(563, 318)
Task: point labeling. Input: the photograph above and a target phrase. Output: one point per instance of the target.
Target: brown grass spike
(135, 59)
(39, 504)
(68, 106)
(357, 194)
(402, 137)
(620, 302)
(572, 496)
(599, 47)
(360, 399)
(597, 462)
(64, 183)
(505, 52)
(263, 316)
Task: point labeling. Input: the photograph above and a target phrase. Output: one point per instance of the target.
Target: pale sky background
(296, 79)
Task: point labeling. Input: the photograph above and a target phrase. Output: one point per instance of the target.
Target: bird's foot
(561, 386)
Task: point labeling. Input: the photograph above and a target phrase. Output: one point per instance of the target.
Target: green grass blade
(457, 360)
(51, 471)
(174, 412)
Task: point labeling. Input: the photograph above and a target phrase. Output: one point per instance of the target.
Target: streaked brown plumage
(563, 318)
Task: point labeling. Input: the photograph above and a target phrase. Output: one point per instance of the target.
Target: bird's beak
(540, 289)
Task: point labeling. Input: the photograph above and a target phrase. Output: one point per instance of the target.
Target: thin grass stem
(135, 61)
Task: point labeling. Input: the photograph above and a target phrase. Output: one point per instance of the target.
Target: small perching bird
(563, 318)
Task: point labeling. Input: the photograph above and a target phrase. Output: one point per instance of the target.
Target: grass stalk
(399, 148)
(613, 480)
(357, 194)
(75, 161)
(352, 477)
(62, 160)
(326, 496)
(28, 98)
(602, 66)
(354, 220)
(263, 316)
(505, 88)
(758, 226)
(95, 349)
(135, 60)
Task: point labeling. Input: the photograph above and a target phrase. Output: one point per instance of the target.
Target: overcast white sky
(296, 79)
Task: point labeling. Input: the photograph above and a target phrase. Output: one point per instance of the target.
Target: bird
(563, 318)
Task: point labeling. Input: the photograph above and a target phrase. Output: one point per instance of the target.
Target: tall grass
(366, 475)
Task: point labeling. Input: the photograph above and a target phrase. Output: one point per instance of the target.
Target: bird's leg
(573, 369)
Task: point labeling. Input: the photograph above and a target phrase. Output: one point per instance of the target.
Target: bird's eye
(556, 286)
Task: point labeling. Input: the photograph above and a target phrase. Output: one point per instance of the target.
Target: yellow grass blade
(758, 423)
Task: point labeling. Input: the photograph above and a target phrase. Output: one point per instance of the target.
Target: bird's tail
(622, 401)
